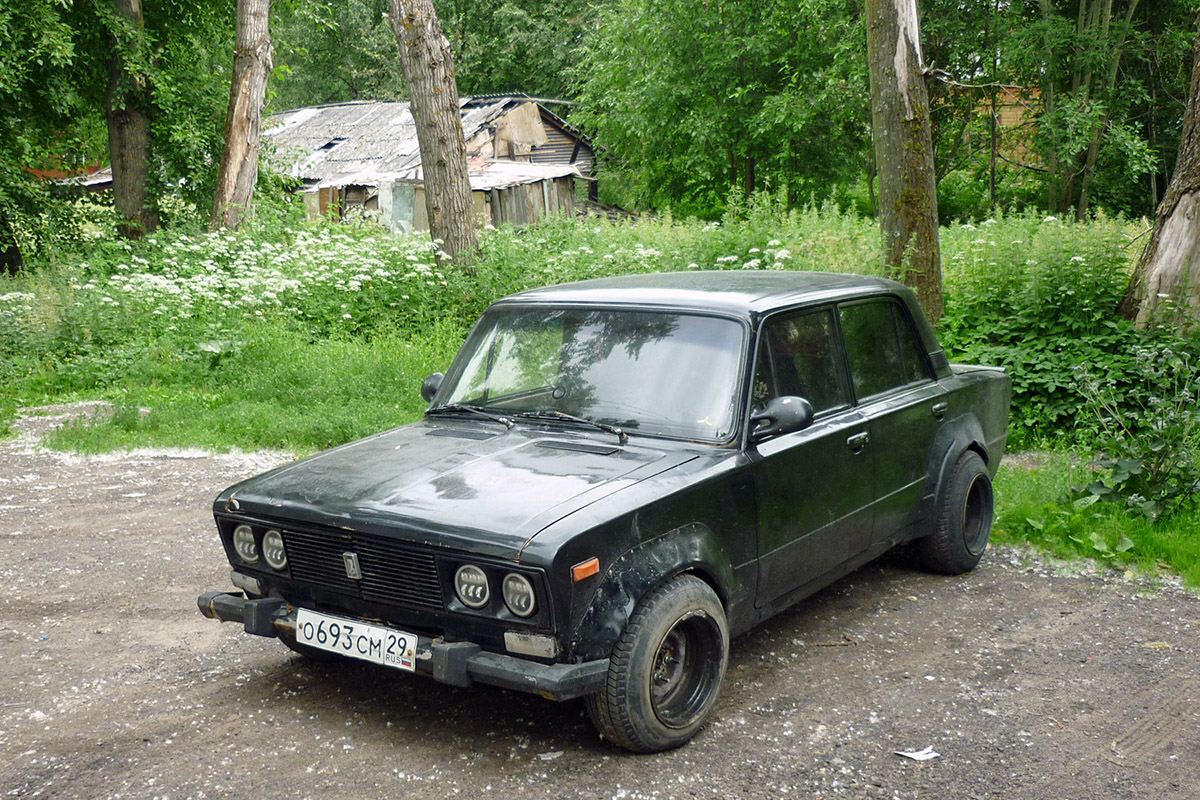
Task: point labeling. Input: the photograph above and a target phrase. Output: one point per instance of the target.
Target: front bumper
(455, 663)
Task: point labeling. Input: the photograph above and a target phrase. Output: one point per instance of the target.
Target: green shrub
(1032, 294)
(1148, 430)
(1039, 297)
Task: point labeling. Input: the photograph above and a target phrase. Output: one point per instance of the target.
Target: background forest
(686, 99)
(746, 127)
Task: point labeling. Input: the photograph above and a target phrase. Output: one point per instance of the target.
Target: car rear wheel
(964, 519)
(666, 669)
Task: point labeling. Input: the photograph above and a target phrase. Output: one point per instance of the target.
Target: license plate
(354, 639)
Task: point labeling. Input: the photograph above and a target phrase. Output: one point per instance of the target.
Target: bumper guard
(454, 663)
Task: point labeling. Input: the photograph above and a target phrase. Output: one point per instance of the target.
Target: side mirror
(430, 386)
(779, 416)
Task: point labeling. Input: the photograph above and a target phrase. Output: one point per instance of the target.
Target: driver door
(814, 487)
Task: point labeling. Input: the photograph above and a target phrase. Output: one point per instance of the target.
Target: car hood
(450, 485)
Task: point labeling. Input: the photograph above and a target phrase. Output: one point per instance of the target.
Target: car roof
(740, 292)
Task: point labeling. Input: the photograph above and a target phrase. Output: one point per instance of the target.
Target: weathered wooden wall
(530, 202)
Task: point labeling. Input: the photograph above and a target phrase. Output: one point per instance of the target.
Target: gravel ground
(1028, 683)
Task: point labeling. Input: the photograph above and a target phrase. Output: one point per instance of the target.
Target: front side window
(880, 347)
(800, 359)
(650, 372)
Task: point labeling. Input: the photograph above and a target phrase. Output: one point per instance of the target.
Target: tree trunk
(1166, 284)
(128, 129)
(904, 150)
(11, 261)
(253, 59)
(429, 71)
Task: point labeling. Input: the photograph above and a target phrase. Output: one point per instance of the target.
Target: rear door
(902, 403)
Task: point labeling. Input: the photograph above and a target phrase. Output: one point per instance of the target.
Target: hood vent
(455, 434)
(579, 447)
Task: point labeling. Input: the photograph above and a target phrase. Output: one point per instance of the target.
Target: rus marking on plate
(352, 569)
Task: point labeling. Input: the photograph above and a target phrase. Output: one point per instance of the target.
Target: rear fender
(954, 439)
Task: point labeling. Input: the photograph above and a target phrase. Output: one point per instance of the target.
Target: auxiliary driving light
(273, 552)
(243, 542)
(471, 586)
(518, 595)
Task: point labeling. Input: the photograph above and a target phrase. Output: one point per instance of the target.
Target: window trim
(838, 347)
(905, 319)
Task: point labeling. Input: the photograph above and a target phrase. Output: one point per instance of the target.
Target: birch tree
(904, 150)
(1167, 279)
(429, 70)
(252, 63)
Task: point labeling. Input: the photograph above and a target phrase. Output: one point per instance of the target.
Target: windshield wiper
(553, 414)
(463, 408)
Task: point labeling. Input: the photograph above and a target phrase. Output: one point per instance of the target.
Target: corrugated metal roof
(483, 176)
(362, 142)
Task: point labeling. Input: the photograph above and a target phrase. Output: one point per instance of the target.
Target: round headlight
(243, 543)
(518, 595)
(471, 586)
(273, 552)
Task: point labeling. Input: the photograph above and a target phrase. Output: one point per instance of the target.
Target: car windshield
(646, 372)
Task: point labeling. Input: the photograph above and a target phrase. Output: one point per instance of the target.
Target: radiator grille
(392, 573)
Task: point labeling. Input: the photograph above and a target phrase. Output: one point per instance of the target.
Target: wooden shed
(522, 159)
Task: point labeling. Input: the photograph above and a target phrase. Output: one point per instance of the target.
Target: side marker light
(585, 569)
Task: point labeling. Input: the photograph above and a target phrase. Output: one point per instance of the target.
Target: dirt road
(1027, 683)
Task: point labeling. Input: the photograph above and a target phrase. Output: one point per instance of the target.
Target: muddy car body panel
(670, 457)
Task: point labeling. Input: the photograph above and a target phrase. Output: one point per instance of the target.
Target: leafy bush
(1149, 431)
(1032, 294)
(1039, 297)
(1076, 521)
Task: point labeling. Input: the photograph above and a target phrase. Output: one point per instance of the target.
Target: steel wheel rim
(977, 516)
(685, 670)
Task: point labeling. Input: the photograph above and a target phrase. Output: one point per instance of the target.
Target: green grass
(1030, 511)
(277, 390)
(299, 337)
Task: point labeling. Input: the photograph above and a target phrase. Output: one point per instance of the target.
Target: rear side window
(881, 347)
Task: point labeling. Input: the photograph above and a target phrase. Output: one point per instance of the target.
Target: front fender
(693, 548)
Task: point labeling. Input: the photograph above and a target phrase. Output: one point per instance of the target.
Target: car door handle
(939, 410)
(858, 441)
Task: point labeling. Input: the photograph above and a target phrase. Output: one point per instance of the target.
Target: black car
(613, 478)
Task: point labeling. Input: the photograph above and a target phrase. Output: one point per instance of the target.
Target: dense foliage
(1063, 106)
(333, 52)
(690, 99)
(686, 99)
(54, 84)
(301, 336)
(1149, 430)
(1035, 295)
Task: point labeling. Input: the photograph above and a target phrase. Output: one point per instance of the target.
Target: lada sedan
(616, 476)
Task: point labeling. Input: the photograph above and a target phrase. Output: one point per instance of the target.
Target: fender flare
(956, 438)
(691, 548)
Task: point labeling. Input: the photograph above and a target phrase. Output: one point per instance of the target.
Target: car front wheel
(666, 669)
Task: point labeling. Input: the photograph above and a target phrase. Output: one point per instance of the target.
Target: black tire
(313, 654)
(666, 669)
(964, 519)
